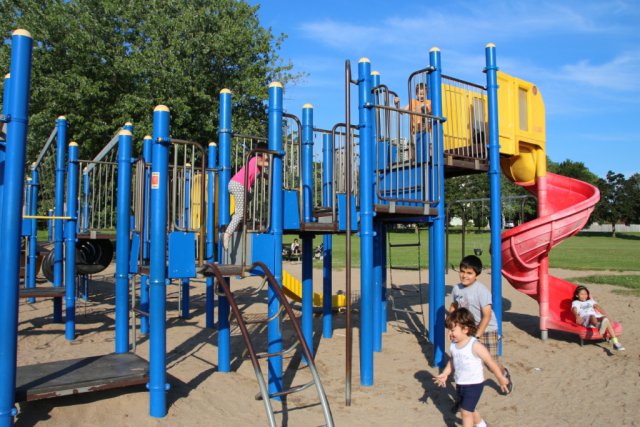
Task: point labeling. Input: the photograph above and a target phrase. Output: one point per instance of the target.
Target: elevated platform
(456, 165)
(67, 377)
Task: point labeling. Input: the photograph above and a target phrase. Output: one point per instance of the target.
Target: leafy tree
(104, 62)
(572, 169)
(632, 198)
(612, 208)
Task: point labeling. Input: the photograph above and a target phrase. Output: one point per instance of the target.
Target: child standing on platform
(467, 357)
(237, 186)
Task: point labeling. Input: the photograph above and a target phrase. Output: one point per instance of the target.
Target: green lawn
(630, 283)
(581, 252)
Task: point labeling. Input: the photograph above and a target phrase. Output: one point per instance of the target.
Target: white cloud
(621, 73)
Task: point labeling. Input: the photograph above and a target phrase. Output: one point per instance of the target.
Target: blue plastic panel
(182, 255)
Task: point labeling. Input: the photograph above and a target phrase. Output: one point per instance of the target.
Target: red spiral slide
(565, 205)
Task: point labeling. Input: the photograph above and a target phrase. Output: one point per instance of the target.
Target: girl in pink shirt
(237, 188)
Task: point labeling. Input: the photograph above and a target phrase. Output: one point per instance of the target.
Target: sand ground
(557, 382)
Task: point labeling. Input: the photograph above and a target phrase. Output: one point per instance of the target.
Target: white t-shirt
(467, 366)
(474, 297)
(586, 309)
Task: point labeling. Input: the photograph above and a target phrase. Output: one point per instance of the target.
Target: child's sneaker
(618, 346)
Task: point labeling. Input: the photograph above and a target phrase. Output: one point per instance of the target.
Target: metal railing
(466, 130)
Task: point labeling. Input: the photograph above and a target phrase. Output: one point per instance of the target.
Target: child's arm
(578, 317)
(441, 380)
(486, 318)
(600, 310)
(482, 352)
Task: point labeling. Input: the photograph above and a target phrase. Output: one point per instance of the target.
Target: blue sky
(583, 55)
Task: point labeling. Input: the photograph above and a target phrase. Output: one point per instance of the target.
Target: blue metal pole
(28, 188)
(50, 227)
(184, 302)
(435, 81)
(212, 164)
(378, 249)
(125, 139)
(277, 225)
(307, 239)
(70, 243)
(33, 237)
(494, 182)
(224, 176)
(58, 230)
(327, 239)
(158, 291)
(366, 222)
(10, 229)
(147, 152)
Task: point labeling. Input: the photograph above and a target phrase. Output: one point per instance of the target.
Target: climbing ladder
(220, 272)
(403, 297)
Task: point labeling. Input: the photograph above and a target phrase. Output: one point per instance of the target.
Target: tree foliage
(104, 62)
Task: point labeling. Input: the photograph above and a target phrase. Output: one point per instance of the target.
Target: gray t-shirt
(473, 298)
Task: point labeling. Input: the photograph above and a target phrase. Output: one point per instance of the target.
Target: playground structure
(375, 174)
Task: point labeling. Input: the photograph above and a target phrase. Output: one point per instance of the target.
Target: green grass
(585, 251)
(630, 283)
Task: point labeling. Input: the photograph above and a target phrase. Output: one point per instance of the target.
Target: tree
(572, 169)
(612, 208)
(104, 62)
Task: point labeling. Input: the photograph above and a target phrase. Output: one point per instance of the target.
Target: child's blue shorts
(469, 395)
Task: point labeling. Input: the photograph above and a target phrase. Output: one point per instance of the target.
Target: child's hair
(419, 86)
(462, 317)
(472, 262)
(577, 291)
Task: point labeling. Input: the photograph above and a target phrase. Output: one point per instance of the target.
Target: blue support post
(10, 226)
(307, 213)
(33, 236)
(58, 229)
(212, 164)
(494, 182)
(437, 286)
(185, 283)
(277, 224)
(147, 151)
(366, 222)
(327, 239)
(123, 240)
(70, 243)
(158, 292)
(224, 176)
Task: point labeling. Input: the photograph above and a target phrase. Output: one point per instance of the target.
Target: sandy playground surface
(557, 383)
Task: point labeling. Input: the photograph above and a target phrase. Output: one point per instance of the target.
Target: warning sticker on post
(155, 180)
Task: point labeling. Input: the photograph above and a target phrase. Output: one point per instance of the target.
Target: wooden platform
(67, 377)
(43, 292)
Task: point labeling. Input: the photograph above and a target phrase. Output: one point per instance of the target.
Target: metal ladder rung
(294, 389)
(404, 245)
(288, 353)
(399, 289)
(140, 312)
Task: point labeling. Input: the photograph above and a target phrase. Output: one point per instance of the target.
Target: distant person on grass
(474, 296)
(591, 315)
(467, 357)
